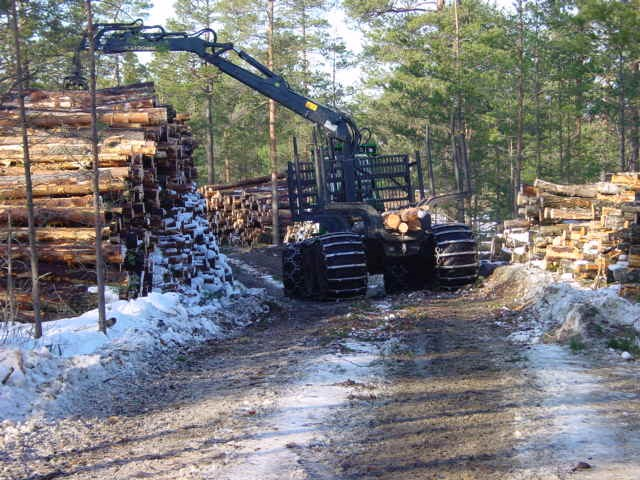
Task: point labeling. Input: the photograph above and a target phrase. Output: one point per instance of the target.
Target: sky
(163, 9)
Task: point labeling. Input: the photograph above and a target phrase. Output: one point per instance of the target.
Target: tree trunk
(432, 180)
(520, 112)
(10, 293)
(33, 254)
(211, 172)
(273, 145)
(102, 316)
(538, 93)
(621, 116)
(635, 129)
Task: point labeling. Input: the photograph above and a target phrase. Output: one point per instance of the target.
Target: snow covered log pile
(147, 191)
(586, 230)
(240, 213)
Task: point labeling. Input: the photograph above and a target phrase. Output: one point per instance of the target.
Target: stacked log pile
(578, 229)
(147, 195)
(240, 214)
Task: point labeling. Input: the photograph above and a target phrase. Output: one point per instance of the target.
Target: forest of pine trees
(546, 89)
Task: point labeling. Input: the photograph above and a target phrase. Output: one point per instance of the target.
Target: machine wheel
(335, 266)
(456, 253)
(292, 270)
(402, 274)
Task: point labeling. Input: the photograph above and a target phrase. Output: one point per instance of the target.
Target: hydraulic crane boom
(136, 37)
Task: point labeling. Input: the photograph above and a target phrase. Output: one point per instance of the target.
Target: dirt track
(407, 387)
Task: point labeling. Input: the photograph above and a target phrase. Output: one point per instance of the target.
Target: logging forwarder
(344, 191)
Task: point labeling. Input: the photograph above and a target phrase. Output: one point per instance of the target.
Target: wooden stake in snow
(96, 171)
(35, 286)
(10, 292)
(273, 143)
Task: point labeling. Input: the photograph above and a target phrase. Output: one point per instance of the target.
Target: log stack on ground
(585, 230)
(240, 213)
(150, 210)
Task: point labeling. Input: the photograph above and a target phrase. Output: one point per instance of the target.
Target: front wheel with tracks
(456, 254)
(335, 266)
(292, 273)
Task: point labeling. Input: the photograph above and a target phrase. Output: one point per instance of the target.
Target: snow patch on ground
(72, 351)
(550, 300)
(255, 272)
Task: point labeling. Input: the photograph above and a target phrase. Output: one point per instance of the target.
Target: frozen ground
(38, 373)
(413, 386)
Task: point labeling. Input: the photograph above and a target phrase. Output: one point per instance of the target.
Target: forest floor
(411, 386)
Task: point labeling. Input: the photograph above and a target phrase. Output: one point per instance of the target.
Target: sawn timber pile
(241, 214)
(154, 232)
(590, 231)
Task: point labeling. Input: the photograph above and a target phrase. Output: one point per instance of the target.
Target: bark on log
(559, 253)
(46, 202)
(67, 217)
(59, 118)
(84, 254)
(55, 235)
(71, 183)
(550, 200)
(517, 223)
(567, 214)
(587, 191)
(250, 182)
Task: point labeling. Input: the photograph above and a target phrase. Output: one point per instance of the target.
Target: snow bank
(36, 374)
(552, 301)
(72, 350)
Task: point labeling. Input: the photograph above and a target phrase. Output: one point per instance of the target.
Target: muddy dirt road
(412, 386)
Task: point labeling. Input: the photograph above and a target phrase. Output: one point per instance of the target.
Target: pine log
(207, 190)
(587, 191)
(557, 229)
(628, 179)
(43, 146)
(517, 223)
(58, 118)
(567, 214)
(68, 183)
(55, 235)
(529, 211)
(53, 99)
(68, 254)
(550, 200)
(46, 202)
(558, 253)
(67, 217)
(606, 188)
(56, 272)
(24, 301)
(391, 220)
(630, 207)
